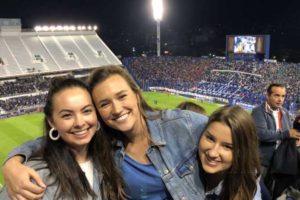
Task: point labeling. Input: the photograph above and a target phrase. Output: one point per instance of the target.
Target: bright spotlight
(157, 7)
(38, 28)
(65, 28)
(59, 28)
(72, 28)
(52, 28)
(45, 28)
(95, 28)
(83, 28)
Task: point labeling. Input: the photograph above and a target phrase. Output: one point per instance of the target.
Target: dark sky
(189, 27)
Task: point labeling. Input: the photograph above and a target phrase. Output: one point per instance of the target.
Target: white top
(275, 115)
(87, 168)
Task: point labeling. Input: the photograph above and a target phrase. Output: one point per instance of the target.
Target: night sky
(189, 27)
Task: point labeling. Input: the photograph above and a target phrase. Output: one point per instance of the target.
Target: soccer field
(15, 131)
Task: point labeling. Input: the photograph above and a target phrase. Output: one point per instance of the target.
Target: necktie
(279, 120)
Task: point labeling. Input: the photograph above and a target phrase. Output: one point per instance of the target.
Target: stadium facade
(24, 52)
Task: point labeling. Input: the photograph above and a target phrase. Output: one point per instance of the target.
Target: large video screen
(244, 44)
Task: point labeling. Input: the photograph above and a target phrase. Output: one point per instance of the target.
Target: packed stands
(28, 59)
(242, 82)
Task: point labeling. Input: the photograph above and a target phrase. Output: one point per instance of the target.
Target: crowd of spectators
(23, 94)
(237, 81)
(22, 102)
(23, 85)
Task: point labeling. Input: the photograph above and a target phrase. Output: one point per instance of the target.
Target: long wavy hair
(101, 74)
(239, 182)
(71, 180)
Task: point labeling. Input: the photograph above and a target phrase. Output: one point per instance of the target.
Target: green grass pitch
(17, 130)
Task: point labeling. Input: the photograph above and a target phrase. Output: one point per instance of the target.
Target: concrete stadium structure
(25, 52)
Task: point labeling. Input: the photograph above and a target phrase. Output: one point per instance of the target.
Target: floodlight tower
(157, 6)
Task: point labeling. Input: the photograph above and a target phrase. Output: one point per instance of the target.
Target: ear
(50, 122)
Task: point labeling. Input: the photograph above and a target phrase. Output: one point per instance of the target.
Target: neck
(138, 142)
(139, 132)
(81, 154)
(212, 180)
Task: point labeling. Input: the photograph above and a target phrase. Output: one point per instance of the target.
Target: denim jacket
(175, 136)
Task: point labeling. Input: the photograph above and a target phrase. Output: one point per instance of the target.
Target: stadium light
(59, 28)
(72, 28)
(45, 28)
(157, 6)
(53, 28)
(38, 28)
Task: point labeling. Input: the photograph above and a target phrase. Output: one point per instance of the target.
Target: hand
(294, 133)
(298, 143)
(18, 182)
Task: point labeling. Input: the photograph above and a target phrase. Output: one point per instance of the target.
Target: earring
(98, 126)
(51, 134)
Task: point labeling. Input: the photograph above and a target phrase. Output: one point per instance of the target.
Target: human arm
(197, 122)
(18, 177)
(18, 180)
(293, 133)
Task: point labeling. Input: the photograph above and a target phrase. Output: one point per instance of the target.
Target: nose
(116, 107)
(79, 121)
(214, 151)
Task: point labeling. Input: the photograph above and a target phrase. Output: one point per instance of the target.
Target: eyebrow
(118, 93)
(66, 110)
(210, 134)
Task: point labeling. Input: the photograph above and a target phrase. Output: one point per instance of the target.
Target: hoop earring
(98, 126)
(51, 134)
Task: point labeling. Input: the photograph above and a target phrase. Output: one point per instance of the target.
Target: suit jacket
(266, 130)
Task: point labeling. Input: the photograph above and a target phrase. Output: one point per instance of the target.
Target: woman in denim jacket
(156, 151)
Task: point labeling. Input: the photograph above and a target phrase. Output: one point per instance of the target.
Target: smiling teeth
(122, 117)
(80, 133)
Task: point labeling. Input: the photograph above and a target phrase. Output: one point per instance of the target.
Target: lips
(210, 161)
(121, 118)
(81, 132)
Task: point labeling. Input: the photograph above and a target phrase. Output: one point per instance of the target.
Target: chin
(210, 170)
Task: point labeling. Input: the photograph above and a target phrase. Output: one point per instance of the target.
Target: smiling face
(74, 116)
(117, 104)
(215, 148)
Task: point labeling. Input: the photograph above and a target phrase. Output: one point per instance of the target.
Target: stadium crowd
(236, 81)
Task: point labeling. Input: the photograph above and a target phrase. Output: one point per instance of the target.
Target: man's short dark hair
(269, 89)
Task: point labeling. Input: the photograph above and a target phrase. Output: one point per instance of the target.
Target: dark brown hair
(61, 161)
(269, 89)
(101, 74)
(188, 105)
(240, 179)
